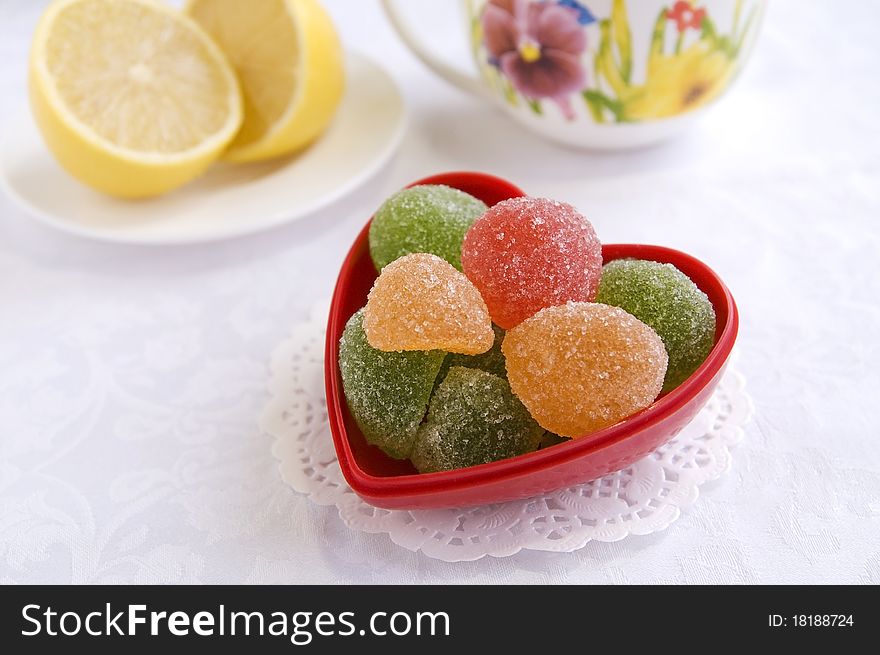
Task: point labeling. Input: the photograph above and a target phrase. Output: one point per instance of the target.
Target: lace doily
(644, 498)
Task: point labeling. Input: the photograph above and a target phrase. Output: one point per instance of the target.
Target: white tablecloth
(131, 378)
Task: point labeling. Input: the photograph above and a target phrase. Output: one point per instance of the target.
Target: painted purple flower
(538, 46)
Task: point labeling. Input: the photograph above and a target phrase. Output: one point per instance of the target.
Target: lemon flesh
(289, 63)
(132, 98)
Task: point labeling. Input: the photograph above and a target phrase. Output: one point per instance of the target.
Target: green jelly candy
(428, 218)
(491, 361)
(668, 301)
(387, 392)
(474, 418)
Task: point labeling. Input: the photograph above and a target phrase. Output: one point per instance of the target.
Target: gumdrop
(387, 392)
(667, 300)
(580, 367)
(473, 419)
(428, 218)
(420, 302)
(525, 254)
(491, 361)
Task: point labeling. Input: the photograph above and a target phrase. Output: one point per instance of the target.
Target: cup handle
(468, 83)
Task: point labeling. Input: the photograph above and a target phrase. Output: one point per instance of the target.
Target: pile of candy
(492, 332)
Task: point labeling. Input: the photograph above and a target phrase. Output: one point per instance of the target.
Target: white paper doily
(644, 498)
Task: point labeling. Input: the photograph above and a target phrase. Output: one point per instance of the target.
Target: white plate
(229, 200)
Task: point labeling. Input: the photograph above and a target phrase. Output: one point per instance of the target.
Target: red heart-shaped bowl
(395, 484)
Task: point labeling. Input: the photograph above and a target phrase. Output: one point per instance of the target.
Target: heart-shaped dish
(395, 484)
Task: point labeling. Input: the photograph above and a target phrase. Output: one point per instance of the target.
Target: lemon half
(289, 63)
(132, 98)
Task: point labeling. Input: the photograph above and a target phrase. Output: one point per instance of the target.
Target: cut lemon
(133, 98)
(289, 62)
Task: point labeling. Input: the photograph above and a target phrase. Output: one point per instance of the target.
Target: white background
(131, 378)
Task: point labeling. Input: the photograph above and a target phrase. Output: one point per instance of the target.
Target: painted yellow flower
(679, 83)
(677, 80)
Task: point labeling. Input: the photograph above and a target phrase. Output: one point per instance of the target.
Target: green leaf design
(622, 38)
(598, 101)
(595, 109)
(709, 31)
(657, 38)
(535, 106)
(510, 93)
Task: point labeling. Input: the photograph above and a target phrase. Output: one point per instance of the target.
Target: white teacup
(601, 73)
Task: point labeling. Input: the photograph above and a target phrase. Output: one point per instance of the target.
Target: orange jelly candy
(421, 302)
(581, 366)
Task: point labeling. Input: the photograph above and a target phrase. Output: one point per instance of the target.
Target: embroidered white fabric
(641, 499)
(131, 378)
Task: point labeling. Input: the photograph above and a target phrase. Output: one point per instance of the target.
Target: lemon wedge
(132, 97)
(289, 63)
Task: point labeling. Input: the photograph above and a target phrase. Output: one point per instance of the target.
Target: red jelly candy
(525, 254)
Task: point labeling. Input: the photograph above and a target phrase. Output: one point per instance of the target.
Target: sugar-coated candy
(580, 367)
(420, 302)
(473, 419)
(525, 254)
(491, 361)
(428, 218)
(667, 300)
(387, 392)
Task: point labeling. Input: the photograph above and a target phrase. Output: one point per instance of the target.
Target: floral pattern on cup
(539, 50)
(538, 47)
